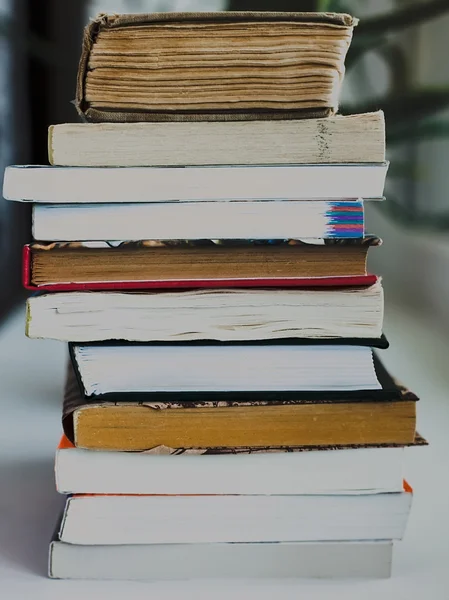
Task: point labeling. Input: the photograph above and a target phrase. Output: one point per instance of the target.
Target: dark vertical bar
(14, 222)
(39, 91)
(45, 41)
(273, 5)
(55, 30)
(67, 20)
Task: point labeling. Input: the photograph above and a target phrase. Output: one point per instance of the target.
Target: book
(208, 314)
(196, 422)
(198, 220)
(212, 65)
(206, 371)
(339, 139)
(72, 185)
(194, 519)
(169, 562)
(77, 266)
(271, 470)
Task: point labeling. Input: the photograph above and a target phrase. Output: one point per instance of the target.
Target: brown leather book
(138, 426)
(212, 66)
(199, 262)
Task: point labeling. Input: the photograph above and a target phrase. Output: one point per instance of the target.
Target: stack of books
(200, 243)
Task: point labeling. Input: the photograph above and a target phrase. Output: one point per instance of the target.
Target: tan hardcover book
(338, 139)
(138, 426)
(221, 65)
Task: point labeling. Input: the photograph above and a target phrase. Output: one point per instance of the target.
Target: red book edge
(339, 281)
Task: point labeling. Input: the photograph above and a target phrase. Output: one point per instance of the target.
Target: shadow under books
(29, 507)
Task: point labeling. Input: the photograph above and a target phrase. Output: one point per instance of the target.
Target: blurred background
(398, 62)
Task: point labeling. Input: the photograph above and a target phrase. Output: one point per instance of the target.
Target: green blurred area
(412, 113)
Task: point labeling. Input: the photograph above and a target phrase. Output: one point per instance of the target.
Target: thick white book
(198, 220)
(124, 369)
(337, 139)
(192, 471)
(223, 315)
(161, 184)
(330, 560)
(122, 519)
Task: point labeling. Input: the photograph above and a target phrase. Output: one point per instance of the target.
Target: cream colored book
(340, 139)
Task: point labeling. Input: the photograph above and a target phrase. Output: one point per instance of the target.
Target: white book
(161, 184)
(337, 139)
(330, 560)
(198, 220)
(223, 315)
(119, 369)
(170, 471)
(196, 519)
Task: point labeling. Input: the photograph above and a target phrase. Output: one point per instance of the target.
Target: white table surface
(31, 380)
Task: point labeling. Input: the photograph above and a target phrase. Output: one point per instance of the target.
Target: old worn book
(73, 185)
(225, 64)
(172, 562)
(208, 314)
(133, 519)
(200, 263)
(339, 139)
(243, 470)
(275, 420)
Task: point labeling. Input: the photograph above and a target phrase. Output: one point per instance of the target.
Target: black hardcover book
(108, 371)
